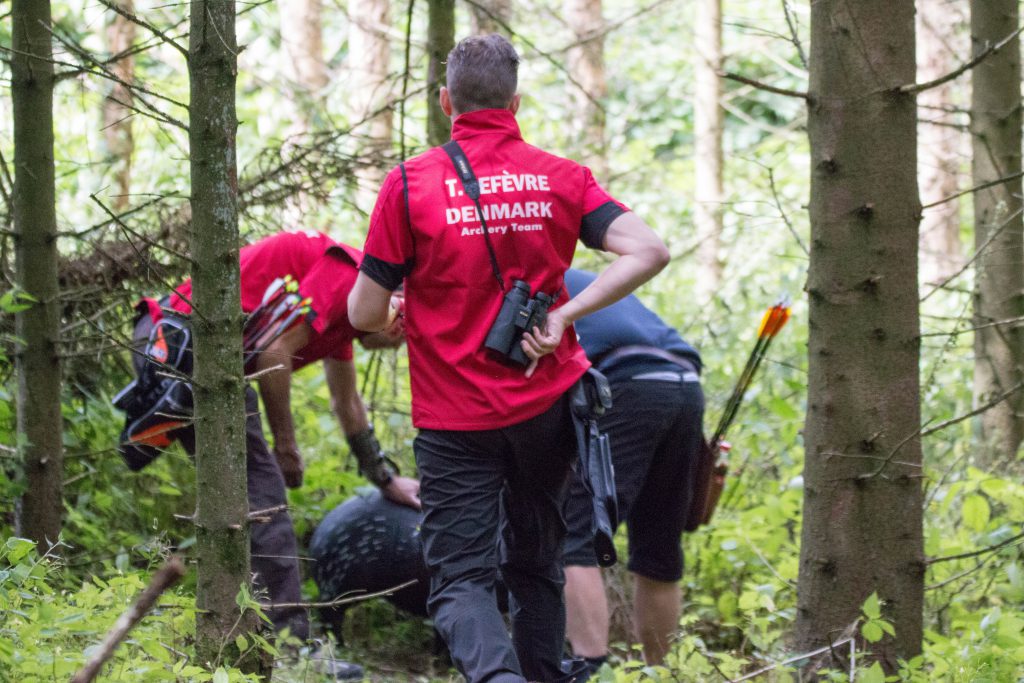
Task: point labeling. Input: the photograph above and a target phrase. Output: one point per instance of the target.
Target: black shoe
(581, 669)
(325, 662)
(341, 670)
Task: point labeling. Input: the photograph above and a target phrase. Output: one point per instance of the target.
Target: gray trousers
(273, 547)
(492, 501)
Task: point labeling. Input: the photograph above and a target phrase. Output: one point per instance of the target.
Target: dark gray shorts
(654, 428)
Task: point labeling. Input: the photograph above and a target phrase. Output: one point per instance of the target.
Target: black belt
(686, 364)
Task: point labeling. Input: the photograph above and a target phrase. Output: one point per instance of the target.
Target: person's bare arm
(275, 389)
(368, 305)
(347, 405)
(641, 255)
(392, 336)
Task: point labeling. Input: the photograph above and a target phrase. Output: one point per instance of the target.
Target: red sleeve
(594, 195)
(342, 351)
(388, 254)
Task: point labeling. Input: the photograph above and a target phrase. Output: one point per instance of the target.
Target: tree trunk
(306, 74)
(999, 279)
(440, 41)
(939, 141)
(588, 93)
(117, 112)
(862, 520)
(222, 535)
(369, 94)
(37, 356)
(490, 16)
(303, 44)
(707, 131)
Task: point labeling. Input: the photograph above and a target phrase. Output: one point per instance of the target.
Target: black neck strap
(472, 189)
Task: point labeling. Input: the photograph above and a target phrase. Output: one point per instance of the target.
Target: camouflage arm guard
(373, 464)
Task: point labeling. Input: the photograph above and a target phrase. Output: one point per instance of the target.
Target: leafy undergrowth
(739, 586)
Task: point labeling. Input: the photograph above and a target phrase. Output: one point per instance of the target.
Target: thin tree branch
(976, 188)
(146, 25)
(975, 553)
(892, 454)
(546, 55)
(339, 600)
(957, 577)
(763, 86)
(782, 213)
(955, 332)
(797, 658)
(105, 72)
(80, 234)
(405, 79)
(167, 576)
(6, 182)
(265, 515)
(915, 88)
(977, 254)
(121, 224)
(795, 35)
(268, 511)
(977, 411)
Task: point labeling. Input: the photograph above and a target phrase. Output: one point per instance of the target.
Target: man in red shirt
(325, 272)
(461, 224)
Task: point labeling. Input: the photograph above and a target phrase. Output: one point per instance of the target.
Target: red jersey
(536, 206)
(325, 271)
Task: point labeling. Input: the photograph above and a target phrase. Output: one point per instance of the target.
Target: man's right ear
(446, 101)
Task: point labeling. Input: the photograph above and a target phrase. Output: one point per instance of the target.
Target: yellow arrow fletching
(765, 319)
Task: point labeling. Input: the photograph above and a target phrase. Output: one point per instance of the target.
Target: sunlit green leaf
(976, 512)
(872, 631)
(872, 607)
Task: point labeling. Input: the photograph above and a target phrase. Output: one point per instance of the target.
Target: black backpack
(158, 403)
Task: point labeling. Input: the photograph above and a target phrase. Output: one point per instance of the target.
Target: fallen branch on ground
(166, 577)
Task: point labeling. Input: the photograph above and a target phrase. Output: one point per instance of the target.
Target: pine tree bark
(222, 536)
(939, 141)
(862, 520)
(585, 61)
(37, 356)
(490, 16)
(369, 94)
(998, 227)
(440, 41)
(117, 111)
(707, 130)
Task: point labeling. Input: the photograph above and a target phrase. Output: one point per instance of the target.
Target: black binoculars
(519, 312)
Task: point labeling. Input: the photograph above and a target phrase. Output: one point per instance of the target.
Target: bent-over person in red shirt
(325, 272)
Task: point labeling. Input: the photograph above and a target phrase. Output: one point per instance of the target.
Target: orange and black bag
(158, 403)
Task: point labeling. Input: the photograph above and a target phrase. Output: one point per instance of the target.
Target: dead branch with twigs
(166, 576)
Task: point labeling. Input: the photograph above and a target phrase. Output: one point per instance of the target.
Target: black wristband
(373, 464)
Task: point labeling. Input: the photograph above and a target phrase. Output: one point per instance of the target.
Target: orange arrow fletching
(779, 320)
(774, 319)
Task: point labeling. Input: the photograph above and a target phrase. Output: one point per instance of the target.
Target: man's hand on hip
(538, 343)
(290, 461)
(404, 491)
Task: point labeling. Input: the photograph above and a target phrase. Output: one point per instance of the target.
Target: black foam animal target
(366, 545)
